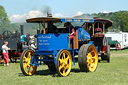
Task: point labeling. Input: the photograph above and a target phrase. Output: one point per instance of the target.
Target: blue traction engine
(57, 50)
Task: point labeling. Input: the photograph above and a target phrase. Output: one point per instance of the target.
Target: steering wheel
(7, 34)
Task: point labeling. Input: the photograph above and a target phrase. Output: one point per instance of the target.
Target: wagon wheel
(7, 34)
(25, 60)
(63, 62)
(107, 55)
(118, 46)
(88, 58)
(105, 42)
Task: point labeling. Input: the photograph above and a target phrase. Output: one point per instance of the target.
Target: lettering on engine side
(44, 40)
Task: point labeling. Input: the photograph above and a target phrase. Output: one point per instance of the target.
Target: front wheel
(25, 60)
(63, 62)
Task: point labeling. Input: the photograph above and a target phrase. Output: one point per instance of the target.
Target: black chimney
(22, 29)
(49, 15)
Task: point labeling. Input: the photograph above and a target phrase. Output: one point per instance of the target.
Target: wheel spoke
(60, 60)
(60, 67)
(28, 69)
(89, 54)
(25, 65)
(24, 57)
(88, 60)
(92, 65)
(29, 54)
(63, 55)
(64, 71)
(88, 63)
(66, 59)
(68, 66)
(89, 67)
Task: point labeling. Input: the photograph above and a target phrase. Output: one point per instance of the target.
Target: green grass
(113, 73)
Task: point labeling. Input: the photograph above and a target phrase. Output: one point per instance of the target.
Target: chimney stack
(22, 29)
(49, 15)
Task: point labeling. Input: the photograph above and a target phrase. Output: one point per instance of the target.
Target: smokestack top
(49, 14)
(22, 29)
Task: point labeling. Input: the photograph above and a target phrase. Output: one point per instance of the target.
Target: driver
(72, 31)
(51, 28)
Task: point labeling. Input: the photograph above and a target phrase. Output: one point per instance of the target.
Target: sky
(19, 10)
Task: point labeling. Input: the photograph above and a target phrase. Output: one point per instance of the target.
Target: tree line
(119, 19)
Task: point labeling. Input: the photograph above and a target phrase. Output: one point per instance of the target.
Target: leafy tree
(4, 21)
(123, 20)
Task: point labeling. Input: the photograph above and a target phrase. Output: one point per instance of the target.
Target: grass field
(113, 73)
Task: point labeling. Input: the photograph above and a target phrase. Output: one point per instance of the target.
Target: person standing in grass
(5, 53)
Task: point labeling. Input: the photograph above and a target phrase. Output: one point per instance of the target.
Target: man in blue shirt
(22, 38)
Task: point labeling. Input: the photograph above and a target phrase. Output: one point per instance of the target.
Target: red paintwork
(118, 47)
(98, 30)
(105, 48)
(98, 35)
(20, 53)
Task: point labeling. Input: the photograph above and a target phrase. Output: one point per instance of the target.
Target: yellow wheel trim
(92, 58)
(29, 69)
(65, 63)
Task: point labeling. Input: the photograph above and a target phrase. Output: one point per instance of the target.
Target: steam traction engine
(97, 30)
(14, 43)
(58, 50)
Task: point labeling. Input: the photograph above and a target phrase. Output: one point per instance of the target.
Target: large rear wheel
(108, 54)
(89, 58)
(51, 67)
(63, 62)
(25, 60)
(80, 58)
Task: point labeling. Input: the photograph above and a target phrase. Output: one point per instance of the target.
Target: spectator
(22, 37)
(5, 53)
(32, 43)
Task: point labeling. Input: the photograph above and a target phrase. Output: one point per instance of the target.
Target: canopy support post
(93, 28)
(44, 32)
(103, 28)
